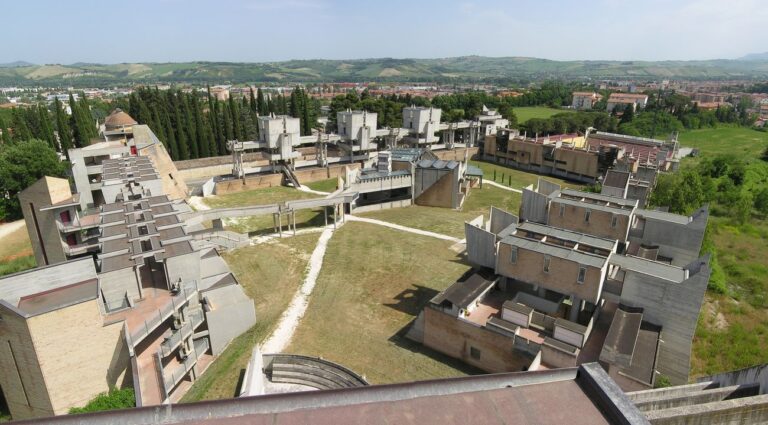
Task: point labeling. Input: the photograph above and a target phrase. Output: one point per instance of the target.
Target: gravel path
(316, 192)
(501, 186)
(403, 228)
(8, 228)
(281, 337)
(197, 203)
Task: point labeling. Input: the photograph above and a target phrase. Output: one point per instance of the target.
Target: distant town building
(638, 101)
(585, 100)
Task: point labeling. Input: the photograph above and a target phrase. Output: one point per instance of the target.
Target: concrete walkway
(8, 228)
(281, 337)
(403, 228)
(316, 192)
(501, 186)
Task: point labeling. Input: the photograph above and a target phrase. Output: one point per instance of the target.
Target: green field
(270, 274)
(446, 220)
(733, 328)
(373, 283)
(738, 141)
(16, 252)
(328, 185)
(515, 178)
(524, 113)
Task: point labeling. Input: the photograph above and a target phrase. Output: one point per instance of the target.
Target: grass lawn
(265, 196)
(16, 252)
(373, 283)
(739, 141)
(524, 113)
(446, 220)
(520, 179)
(270, 274)
(328, 185)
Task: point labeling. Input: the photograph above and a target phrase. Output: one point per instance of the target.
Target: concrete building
(638, 101)
(490, 121)
(577, 277)
(585, 100)
(151, 312)
(422, 122)
(358, 128)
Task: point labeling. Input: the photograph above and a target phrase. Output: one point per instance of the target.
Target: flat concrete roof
(463, 293)
(649, 267)
(663, 216)
(588, 205)
(569, 254)
(577, 396)
(569, 235)
(600, 197)
(67, 280)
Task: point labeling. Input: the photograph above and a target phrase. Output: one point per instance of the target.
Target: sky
(65, 32)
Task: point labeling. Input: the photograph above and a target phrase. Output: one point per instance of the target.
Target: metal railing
(194, 320)
(188, 290)
(170, 380)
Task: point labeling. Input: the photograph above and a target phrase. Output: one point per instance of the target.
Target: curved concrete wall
(310, 371)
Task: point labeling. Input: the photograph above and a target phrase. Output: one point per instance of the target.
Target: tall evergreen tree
(189, 122)
(252, 104)
(261, 103)
(21, 132)
(62, 127)
(170, 137)
(181, 136)
(201, 143)
(235, 118)
(47, 127)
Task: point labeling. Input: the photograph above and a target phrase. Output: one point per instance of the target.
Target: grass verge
(270, 274)
(373, 283)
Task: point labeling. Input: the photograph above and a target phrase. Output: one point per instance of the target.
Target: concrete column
(293, 217)
(280, 223)
(325, 215)
(575, 303)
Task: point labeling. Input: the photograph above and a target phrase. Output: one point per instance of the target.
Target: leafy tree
(629, 113)
(62, 127)
(761, 201)
(22, 164)
(742, 208)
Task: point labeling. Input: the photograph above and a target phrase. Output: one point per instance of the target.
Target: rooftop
(649, 267)
(569, 254)
(49, 288)
(463, 293)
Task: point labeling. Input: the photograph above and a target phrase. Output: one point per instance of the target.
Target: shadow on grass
(412, 300)
(316, 220)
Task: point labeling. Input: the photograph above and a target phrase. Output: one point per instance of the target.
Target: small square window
(474, 353)
(582, 275)
(614, 221)
(546, 263)
(513, 255)
(586, 215)
(562, 210)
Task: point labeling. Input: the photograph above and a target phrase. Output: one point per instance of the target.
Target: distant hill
(466, 68)
(755, 57)
(15, 64)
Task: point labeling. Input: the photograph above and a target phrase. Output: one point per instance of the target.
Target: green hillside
(467, 68)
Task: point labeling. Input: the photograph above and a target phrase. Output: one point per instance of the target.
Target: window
(546, 263)
(474, 353)
(146, 246)
(614, 222)
(143, 230)
(586, 215)
(562, 210)
(513, 255)
(582, 275)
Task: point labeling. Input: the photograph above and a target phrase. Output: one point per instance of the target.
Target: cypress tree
(235, 119)
(201, 143)
(226, 117)
(261, 104)
(189, 123)
(252, 103)
(62, 127)
(47, 127)
(88, 121)
(181, 136)
(306, 117)
(170, 137)
(295, 111)
(21, 131)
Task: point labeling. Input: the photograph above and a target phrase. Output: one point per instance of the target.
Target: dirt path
(403, 228)
(501, 186)
(316, 192)
(8, 228)
(289, 321)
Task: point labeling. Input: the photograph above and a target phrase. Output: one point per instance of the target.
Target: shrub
(114, 399)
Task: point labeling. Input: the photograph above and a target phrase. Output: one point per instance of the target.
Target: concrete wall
(481, 246)
(454, 337)
(561, 277)
(270, 180)
(599, 223)
(185, 267)
(554, 358)
(115, 284)
(43, 193)
(436, 188)
(680, 242)
(173, 183)
(673, 306)
(21, 378)
(383, 206)
(533, 207)
(231, 313)
(79, 357)
(456, 154)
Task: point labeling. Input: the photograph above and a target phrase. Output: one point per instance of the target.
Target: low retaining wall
(310, 371)
(261, 181)
(455, 154)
